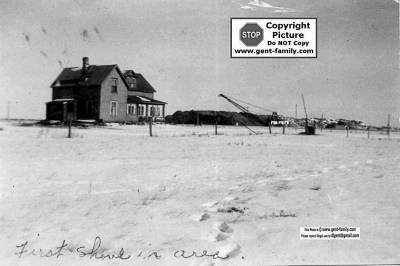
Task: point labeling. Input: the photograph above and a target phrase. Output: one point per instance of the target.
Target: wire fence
(185, 130)
(160, 130)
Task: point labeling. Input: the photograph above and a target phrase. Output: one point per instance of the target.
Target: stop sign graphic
(251, 34)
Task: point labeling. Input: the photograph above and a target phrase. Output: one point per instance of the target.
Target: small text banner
(330, 233)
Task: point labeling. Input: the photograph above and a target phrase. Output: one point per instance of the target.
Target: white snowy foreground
(114, 196)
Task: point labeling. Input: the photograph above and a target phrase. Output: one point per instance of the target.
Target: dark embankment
(223, 118)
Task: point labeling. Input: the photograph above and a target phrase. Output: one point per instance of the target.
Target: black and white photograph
(199, 133)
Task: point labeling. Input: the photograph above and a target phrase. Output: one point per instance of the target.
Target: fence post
(69, 127)
(216, 123)
(269, 127)
(368, 131)
(388, 126)
(150, 126)
(283, 129)
(347, 131)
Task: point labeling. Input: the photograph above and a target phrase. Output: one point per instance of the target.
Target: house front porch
(61, 109)
(140, 108)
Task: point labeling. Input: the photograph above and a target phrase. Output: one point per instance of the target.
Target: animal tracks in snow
(220, 230)
(223, 227)
(199, 217)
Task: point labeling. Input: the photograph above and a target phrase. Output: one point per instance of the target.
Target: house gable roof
(136, 82)
(95, 75)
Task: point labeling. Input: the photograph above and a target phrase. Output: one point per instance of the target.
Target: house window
(140, 110)
(114, 85)
(113, 108)
(130, 109)
(133, 84)
(157, 111)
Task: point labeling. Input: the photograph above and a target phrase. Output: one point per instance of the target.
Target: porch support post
(147, 110)
(75, 117)
(163, 111)
(65, 111)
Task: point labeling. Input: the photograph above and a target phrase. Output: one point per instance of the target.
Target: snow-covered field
(234, 195)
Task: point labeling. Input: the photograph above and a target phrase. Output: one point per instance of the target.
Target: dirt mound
(223, 118)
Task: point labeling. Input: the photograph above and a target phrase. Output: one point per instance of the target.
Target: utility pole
(388, 126)
(305, 111)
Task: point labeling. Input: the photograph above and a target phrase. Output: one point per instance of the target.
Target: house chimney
(85, 65)
(85, 62)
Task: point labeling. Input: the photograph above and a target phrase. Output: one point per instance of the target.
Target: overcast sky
(183, 49)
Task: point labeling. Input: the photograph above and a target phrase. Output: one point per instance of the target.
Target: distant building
(103, 93)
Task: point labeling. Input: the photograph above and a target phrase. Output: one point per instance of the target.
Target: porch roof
(144, 100)
(62, 100)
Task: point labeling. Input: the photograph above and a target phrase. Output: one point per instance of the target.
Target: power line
(256, 106)
(269, 110)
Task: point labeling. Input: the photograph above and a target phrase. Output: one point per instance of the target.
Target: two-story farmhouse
(104, 93)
